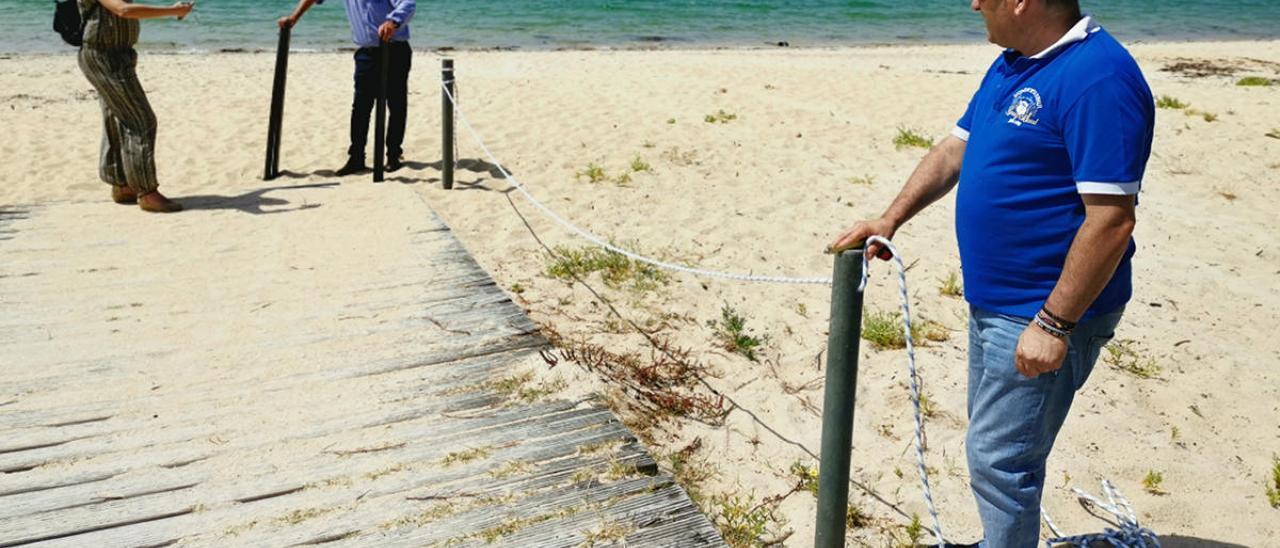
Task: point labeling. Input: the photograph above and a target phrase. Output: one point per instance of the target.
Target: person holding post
(1049, 159)
(374, 22)
(109, 62)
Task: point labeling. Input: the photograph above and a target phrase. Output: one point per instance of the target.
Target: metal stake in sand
(841, 392)
(272, 168)
(446, 117)
(380, 126)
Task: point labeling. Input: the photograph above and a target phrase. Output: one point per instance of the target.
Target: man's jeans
(1013, 420)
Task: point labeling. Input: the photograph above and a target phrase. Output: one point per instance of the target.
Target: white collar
(1082, 30)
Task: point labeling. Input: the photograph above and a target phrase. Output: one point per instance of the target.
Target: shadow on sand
(254, 202)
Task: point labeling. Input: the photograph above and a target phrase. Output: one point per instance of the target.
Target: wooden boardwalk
(323, 369)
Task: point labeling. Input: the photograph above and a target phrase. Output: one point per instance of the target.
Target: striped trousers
(129, 125)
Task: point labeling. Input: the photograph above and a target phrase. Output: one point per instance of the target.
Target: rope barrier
(1130, 533)
(520, 187)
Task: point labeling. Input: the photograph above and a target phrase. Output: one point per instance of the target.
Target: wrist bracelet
(1057, 320)
(1054, 331)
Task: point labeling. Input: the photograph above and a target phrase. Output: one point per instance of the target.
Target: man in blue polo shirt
(1049, 158)
(372, 23)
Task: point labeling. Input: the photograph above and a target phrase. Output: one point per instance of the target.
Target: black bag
(66, 21)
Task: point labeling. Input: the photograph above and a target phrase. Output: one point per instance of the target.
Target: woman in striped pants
(108, 60)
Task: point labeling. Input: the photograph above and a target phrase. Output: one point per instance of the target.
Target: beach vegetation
(517, 288)
(1154, 482)
(593, 173)
(1123, 354)
(639, 165)
(951, 286)
(1274, 134)
(608, 533)
(1273, 483)
(680, 158)
(855, 517)
(914, 532)
(1227, 195)
(884, 330)
(910, 138)
(806, 477)
(720, 117)
(865, 180)
(743, 524)
(926, 406)
(466, 455)
(622, 179)
(1168, 102)
(1255, 81)
(691, 470)
(510, 469)
(731, 331)
(649, 144)
(1207, 116)
(671, 121)
(617, 270)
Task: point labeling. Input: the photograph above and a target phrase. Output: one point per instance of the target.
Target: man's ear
(1020, 6)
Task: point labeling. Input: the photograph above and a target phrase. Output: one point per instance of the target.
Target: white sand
(764, 193)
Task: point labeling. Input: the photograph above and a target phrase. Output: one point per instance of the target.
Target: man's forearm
(140, 11)
(936, 175)
(1097, 250)
(303, 6)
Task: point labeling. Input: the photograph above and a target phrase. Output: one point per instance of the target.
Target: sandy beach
(750, 161)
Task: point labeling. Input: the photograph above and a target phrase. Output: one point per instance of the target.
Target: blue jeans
(1013, 420)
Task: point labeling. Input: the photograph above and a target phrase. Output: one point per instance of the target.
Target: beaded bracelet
(1057, 320)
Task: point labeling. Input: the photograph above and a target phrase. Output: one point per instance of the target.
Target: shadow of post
(253, 202)
(1179, 541)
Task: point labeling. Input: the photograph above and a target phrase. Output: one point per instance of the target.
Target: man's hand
(387, 30)
(287, 22)
(181, 9)
(860, 232)
(1039, 352)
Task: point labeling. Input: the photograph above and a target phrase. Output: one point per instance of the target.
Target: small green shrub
(951, 286)
(884, 330)
(908, 138)
(741, 523)
(638, 165)
(1124, 355)
(1153, 483)
(720, 117)
(865, 180)
(731, 330)
(1168, 102)
(1255, 81)
(806, 476)
(617, 270)
(594, 173)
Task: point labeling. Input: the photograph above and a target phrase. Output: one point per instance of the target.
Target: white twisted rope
(911, 367)
(475, 136)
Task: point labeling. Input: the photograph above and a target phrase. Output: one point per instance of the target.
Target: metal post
(841, 394)
(380, 125)
(271, 168)
(446, 117)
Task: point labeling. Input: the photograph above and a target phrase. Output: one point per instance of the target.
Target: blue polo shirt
(366, 16)
(1075, 119)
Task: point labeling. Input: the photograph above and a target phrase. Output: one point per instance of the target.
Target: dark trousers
(366, 79)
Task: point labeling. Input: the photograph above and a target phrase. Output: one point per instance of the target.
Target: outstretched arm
(124, 10)
(936, 175)
(290, 20)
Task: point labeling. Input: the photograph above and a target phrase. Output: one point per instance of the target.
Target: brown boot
(123, 195)
(157, 203)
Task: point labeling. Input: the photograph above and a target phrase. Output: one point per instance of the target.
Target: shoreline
(644, 47)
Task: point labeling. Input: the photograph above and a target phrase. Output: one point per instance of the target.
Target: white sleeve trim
(1113, 189)
(960, 133)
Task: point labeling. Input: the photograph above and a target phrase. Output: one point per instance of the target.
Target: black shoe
(394, 163)
(354, 166)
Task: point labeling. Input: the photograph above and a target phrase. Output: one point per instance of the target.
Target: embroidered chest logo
(1026, 104)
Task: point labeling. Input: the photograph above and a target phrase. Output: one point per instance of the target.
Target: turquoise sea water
(550, 24)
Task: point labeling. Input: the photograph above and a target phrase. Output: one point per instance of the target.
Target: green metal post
(446, 164)
(841, 394)
(380, 125)
(275, 120)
